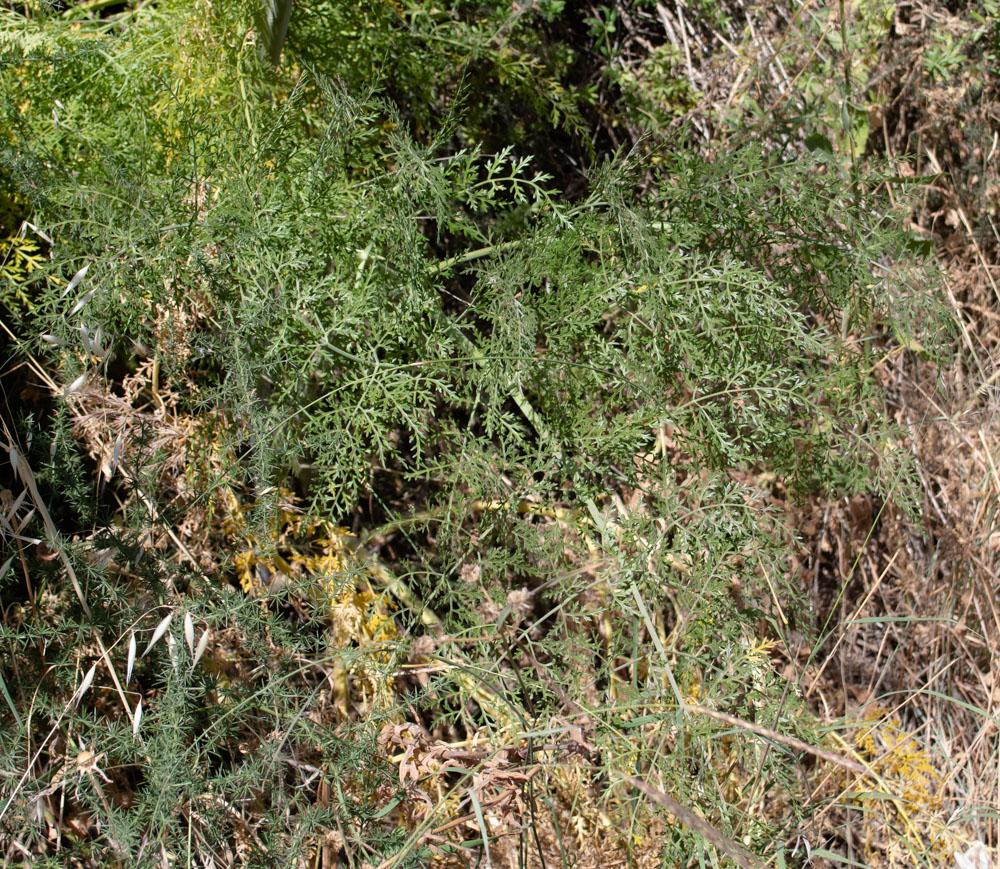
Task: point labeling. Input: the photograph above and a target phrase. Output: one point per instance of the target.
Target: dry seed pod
(161, 629)
(80, 305)
(131, 659)
(76, 384)
(189, 632)
(172, 650)
(202, 645)
(75, 280)
(85, 684)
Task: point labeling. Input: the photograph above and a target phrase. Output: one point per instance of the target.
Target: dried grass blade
(137, 718)
(24, 521)
(790, 741)
(704, 829)
(24, 473)
(10, 702)
(116, 453)
(18, 501)
(42, 235)
(172, 651)
(31, 541)
(481, 821)
(16, 463)
(655, 635)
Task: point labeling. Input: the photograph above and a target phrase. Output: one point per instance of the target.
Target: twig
(687, 817)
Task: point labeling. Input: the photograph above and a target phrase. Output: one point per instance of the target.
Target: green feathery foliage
(357, 300)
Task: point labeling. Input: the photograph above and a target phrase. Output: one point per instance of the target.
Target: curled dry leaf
(977, 857)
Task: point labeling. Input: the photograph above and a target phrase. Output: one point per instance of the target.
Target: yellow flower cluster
(317, 559)
(908, 797)
(898, 757)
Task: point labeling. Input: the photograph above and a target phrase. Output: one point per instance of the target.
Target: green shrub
(319, 288)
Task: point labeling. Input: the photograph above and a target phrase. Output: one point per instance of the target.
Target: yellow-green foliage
(19, 257)
(908, 796)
